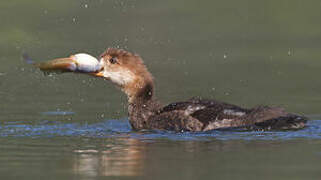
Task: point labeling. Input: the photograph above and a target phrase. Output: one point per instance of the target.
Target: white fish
(85, 63)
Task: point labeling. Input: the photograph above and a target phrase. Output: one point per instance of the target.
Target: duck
(127, 71)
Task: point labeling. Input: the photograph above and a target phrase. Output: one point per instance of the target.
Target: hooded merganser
(127, 71)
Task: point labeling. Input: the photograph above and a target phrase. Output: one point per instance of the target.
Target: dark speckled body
(205, 115)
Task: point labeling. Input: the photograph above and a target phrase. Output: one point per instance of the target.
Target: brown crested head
(127, 70)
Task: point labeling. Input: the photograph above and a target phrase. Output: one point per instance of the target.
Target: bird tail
(289, 122)
(274, 118)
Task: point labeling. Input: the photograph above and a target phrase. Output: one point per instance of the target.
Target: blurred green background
(243, 52)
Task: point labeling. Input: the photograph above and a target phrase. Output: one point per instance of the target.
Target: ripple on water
(121, 128)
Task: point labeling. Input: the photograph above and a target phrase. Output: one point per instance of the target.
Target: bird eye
(113, 60)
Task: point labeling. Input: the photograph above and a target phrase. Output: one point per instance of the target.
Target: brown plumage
(128, 71)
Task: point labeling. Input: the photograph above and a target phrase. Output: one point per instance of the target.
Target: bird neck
(142, 105)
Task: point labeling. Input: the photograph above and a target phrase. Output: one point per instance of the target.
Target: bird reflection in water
(124, 157)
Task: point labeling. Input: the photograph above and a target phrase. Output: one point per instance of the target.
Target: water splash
(58, 112)
(121, 128)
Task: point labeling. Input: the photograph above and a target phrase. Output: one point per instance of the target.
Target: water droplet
(225, 56)
(73, 19)
(289, 52)
(86, 6)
